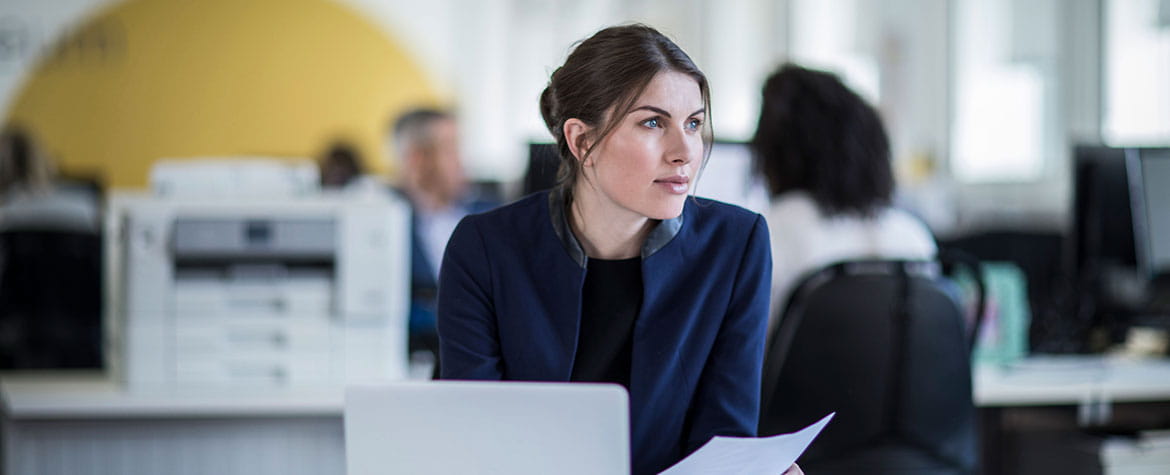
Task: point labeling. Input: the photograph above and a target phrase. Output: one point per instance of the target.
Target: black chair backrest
(50, 300)
(543, 162)
(882, 344)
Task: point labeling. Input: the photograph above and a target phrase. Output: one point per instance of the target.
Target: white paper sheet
(749, 455)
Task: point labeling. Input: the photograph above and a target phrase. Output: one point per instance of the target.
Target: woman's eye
(652, 123)
(694, 123)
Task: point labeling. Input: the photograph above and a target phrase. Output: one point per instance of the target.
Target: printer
(284, 289)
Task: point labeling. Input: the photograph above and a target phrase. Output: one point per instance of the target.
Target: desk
(89, 426)
(1089, 382)
(1028, 424)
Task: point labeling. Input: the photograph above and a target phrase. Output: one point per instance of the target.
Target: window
(839, 36)
(1137, 71)
(1004, 121)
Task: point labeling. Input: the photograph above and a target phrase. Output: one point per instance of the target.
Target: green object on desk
(1003, 337)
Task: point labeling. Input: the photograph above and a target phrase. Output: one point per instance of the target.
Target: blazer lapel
(562, 271)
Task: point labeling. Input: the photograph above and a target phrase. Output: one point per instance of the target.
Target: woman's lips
(674, 184)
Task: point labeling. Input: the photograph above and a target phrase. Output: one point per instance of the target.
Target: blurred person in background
(825, 158)
(340, 167)
(50, 262)
(31, 195)
(431, 177)
(23, 170)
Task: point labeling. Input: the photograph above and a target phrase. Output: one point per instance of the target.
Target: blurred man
(430, 175)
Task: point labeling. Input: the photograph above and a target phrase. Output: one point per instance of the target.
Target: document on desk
(749, 455)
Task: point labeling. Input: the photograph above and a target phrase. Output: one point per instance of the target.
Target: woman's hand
(794, 470)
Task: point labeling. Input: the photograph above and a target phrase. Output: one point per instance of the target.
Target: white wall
(28, 29)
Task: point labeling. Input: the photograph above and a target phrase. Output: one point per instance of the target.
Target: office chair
(50, 299)
(882, 344)
(543, 162)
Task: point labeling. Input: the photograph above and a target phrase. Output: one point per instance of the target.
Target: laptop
(466, 427)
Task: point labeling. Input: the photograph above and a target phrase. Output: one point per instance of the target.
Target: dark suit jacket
(510, 300)
(423, 283)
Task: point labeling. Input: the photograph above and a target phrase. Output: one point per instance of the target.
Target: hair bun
(550, 108)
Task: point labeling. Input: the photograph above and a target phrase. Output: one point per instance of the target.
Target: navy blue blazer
(510, 302)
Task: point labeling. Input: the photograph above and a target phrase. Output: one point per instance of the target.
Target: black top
(610, 301)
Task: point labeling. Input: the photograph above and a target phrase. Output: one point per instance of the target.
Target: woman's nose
(682, 148)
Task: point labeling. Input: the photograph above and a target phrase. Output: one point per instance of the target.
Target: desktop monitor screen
(1102, 234)
(1150, 198)
(729, 177)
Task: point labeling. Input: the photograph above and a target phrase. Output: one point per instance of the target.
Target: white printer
(289, 288)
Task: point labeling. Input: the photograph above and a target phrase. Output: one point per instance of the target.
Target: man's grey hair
(411, 127)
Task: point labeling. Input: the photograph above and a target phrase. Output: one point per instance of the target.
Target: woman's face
(648, 163)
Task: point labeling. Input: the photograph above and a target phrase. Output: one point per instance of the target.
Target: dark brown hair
(340, 166)
(22, 164)
(609, 70)
(817, 135)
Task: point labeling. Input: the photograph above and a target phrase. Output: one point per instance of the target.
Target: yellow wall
(148, 79)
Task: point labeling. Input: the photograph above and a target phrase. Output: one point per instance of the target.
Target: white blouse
(805, 240)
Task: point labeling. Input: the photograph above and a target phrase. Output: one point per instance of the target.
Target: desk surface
(84, 397)
(94, 395)
(1035, 381)
(1072, 379)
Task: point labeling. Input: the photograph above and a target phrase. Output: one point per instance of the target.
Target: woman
(826, 159)
(618, 275)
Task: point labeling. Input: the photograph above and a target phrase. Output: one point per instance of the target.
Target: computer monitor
(1101, 255)
(1149, 178)
(729, 177)
(1102, 224)
(1118, 241)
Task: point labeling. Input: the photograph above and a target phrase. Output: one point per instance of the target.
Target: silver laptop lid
(463, 427)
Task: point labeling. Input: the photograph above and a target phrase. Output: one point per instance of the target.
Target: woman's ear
(577, 137)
